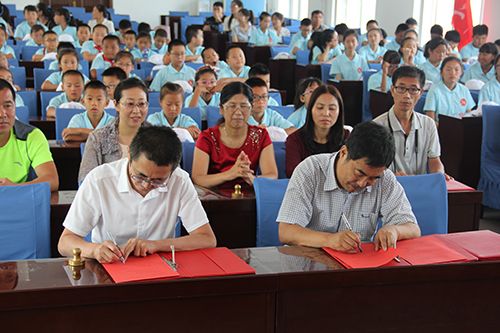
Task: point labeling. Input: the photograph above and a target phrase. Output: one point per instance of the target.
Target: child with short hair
(49, 45)
(125, 61)
(262, 72)
(349, 65)
(171, 101)
(382, 80)
(452, 37)
(211, 58)
(160, 42)
(303, 93)
(263, 36)
(479, 37)
(144, 46)
(194, 47)
(408, 51)
(105, 59)
(177, 70)
(91, 48)
(23, 29)
(83, 34)
(484, 68)
(236, 70)
(111, 77)
(204, 93)
(73, 82)
(68, 60)
(373, 52)
(36, 36)
(279, 26)
(54, 65)
(130, 38)
(371, 24)
(6, 74)
(299, 40)
(95, 99)
(123, 26)
(436, 31)
(4, 48)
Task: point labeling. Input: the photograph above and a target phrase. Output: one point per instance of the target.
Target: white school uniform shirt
(375, 82)
(170, 74)
(469, 51)
(350, 69)
(432, 73)
(271, 118)
(334, 53)
(107, 203)
(369, 54)
(109, 24)
(263, 38)
(298, 117)
(228, 73)
(284, 33)
(81, 120)
(442, 100)
(182, 120)
(298, 40)
(24, 29)
(490, 92)
(476, 72)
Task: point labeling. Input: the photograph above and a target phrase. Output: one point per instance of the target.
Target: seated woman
(324, 129)
(241, 33)
(491, 90)
(435, 52)
(111, 142)
(349, 65)
(325, 48)
(305, 88)
(230, 152)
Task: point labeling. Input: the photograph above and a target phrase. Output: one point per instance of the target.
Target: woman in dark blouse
(323, 131)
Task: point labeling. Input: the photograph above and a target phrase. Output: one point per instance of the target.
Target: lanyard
(416, 144)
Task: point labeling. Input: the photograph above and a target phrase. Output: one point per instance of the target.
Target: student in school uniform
(204, 93)
(91, 48)
(63, 19)
(6, 75)
(211, 58)
(452, 37)
(83, 33)
(171, 101)
(36, 36)
(72, 83)
(382, 80)
(123, 26)
(54, 65)
(263, 35)
(408, 51)
(125, 61)
(435, 52)
(160, 41)
(262, 72)
(242, 31)
(371, 24)
(194, 47)
(449, 96)
(484, 68)
(144, 42)
(261, 115)
(349, 65)
(237, 70)
(105, 59)
(278, 27)
(326, 48)
(299, 40)
(177, 70)
(395, 45)
(305, 88)
(479, 37)
(323, 131)
(67, 60)
(100, 15)
(147, 182)
(419, 57)
(95, 99)
(111, 77)
(22, 147)
(130, 38)
(490, 92)
(4, 48)
(49, 45)
(232, 21)
(373, 52)
(415, 135)
(23, 29)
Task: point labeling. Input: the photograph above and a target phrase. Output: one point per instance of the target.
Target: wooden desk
(461, 147)
(216, 40)
(464, 210)
(283, 77)
(48, 127)
(295, 289)
(67, 157)
(302, 72)
(29, 66)
(258, 54)
(380, 102)
(352, 95)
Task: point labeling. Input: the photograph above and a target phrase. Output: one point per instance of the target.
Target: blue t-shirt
(476, 72)
(68, 31)
(170, 74)
(214, 101)
(197, 51)
(298, 117)
(351, 70)
(24, 29)
(432, 73)
(299, 41)
(99, 62)
(271, 118)
(228, 73)
(442, 100)
(394, 46)
(371, 55)
(490, 92)
(89, 46)
(333, 53)
(375, 81)
(6, 49)
(263, 38)
(81, 120)
(56, 78)
(469, 51)
(182, 120)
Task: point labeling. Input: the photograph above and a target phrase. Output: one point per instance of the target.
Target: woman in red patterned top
(229, 153)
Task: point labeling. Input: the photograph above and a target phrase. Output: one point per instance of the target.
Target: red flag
(462, 21)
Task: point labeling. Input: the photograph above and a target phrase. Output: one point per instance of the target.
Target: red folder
(367, 259)
(140, 268)
(484, 244)
(429, 250)
(454, 186)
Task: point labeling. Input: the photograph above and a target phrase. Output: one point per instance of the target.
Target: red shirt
(222, 158)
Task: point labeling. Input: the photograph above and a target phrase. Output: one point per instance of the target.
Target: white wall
(390, 13)
(150, 10)
(20, 4)
(490, 18)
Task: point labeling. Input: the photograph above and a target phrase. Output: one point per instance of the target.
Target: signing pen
(122, 257)
(348, 225)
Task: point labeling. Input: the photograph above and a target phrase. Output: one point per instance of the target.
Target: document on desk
(484, 244)
(369, 258)
(455, 186)
(140, 268)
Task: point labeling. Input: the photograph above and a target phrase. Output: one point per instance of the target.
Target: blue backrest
(376, 67)
(29, 99)
(25, 222)
(186, 21)
(141, 73)
(17, 52)
(23, 114)
(116, 18)
(285, 111)
(269, 194)
(428, 197)
(28, 51)
(489, 181)
(294, 29)
(19, 76)
(82, 148)
(153, 109)
(277, 49)
(419, 107)
(325, 72)
(367, 115)
(280, 157)
(276, 95)
(13, 62)
(98, 72)
(40, 75)
(45, 97)
(302, 57)
(213, 115)
(187, 156)
(178, 13)
(475, 95)
(286, 40)
(63, 116)
(154, 98)
(194, 113)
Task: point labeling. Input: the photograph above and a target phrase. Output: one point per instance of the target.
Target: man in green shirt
(23, 148)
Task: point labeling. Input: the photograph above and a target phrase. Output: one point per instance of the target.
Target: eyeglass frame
(154, 184)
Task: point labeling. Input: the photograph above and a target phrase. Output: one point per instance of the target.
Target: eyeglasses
(233, 107)
(145, 181)
(260, 98)
(411, 90)
(131, 105)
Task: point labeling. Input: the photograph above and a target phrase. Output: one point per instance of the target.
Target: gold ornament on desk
(237, 192)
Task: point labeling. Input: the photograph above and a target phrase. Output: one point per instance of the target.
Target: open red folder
(196, 263)
(367, 259)
(455, 186)
(484, 244)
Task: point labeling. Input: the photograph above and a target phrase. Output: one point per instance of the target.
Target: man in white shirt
(136, 202)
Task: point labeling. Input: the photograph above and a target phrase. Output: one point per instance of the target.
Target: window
(354, 13)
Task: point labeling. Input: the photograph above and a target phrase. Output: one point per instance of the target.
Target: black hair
(373, 29)
(436, 29)
(411, 21)
(371, 21)
(452, 36)
(279, 16)
(204, 70)
(497, 58)
(341, 28)
(258, 69)
(401, 28)
(449, 59)
(320, 39)
(4, 84)
(409, 71)
(161, 33)
(130, 32)
(124, 54)
(336, 132)
(67, 15)
(95, 84)
(403, 43)
(159, 144)
(143, 27)
(372, 142)
(65, 45)
(218, 4)
(2, 26)
(497, 42)
(489, 48)
(351, 32)
(111, 38)
(129, 84)
(191, 32)
(230, 48)
(239, 4)
(143, 34)
(302, 85)
(29, 8)
(48, 32)
(175, 42)
(410, 31)
(264, 15)
(116, 72)
(235, 88)
(124, 24)
(254, 82)
(100, 26)
(315, 12)
(83, 25)
(433, 44)
(102, 9)
(36, 27)
(305, 22)
(67, 51)
(72, 72)
(205, 49)
(480, 30)
(392, 57)
(247, 13)
(171, 88)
